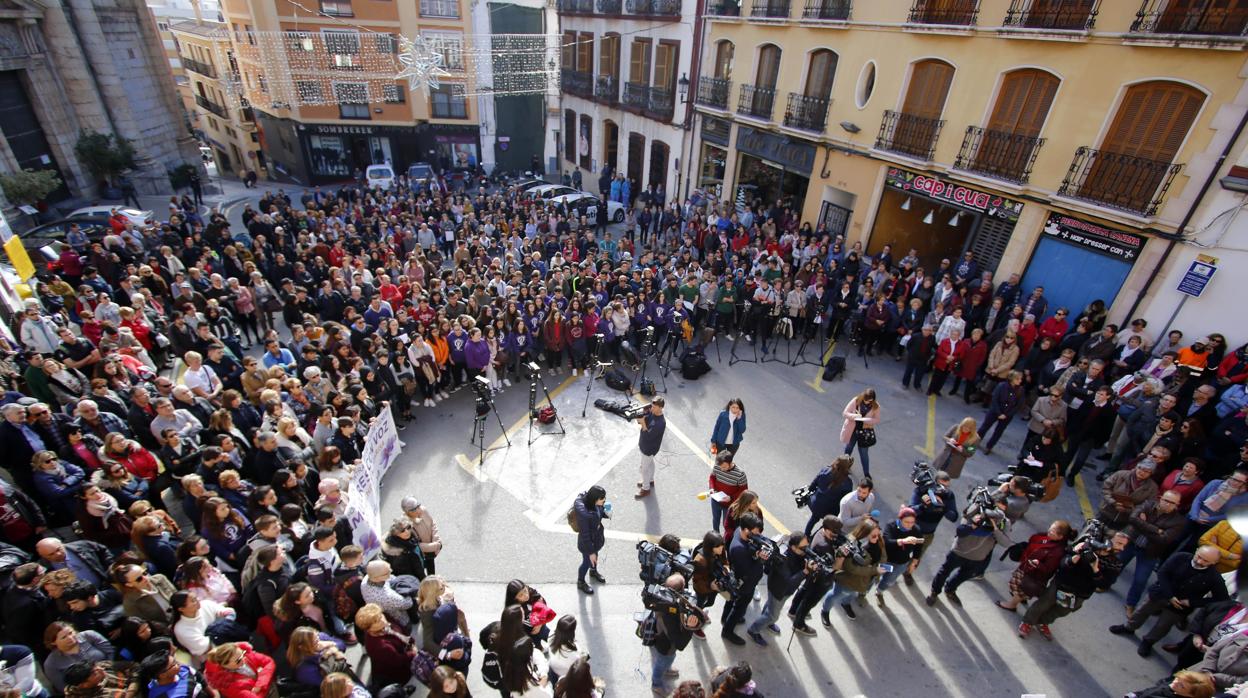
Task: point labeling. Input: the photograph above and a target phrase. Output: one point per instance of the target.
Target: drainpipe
(1187, 219)
(695, 72)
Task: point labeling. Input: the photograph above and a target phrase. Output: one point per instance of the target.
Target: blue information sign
(1197, 278)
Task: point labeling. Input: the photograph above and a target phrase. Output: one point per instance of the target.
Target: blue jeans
(771, 611)
(717, 514)
(659, 665)
(891, 578)
(1144, 567)
(839, 594)
(863, 458)
(586, 565)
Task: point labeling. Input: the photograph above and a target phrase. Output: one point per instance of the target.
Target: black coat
(1176, 578)
(590, 536)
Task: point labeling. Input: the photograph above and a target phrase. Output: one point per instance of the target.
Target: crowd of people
(184, 405)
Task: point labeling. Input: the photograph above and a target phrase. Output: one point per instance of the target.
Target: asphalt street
(503, 518)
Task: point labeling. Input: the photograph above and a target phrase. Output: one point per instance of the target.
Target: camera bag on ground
(834, 369)
(693, 364)
(617, 379)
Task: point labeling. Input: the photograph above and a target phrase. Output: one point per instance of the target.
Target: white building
(624, 74)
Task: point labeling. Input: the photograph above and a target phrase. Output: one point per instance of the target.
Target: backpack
(572, 522)
(693, 365)
(834, 369)
(347, 597)
(618, 380)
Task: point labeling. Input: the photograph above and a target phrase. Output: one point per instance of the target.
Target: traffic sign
(1198, 276)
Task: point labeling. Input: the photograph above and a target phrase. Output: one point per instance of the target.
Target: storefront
(941, 219)
(772, 167)
(713, 160)
(453, 146)
(1078, 262)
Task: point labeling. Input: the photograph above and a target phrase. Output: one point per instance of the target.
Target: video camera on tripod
(483, 393)
(657, 564)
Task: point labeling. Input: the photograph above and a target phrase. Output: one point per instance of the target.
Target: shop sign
(793, 155)
(338, 129)
(716, 130)
(1112, 243)
(954, 194)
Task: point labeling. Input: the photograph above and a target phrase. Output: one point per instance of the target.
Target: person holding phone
(861, 415)
(903, 545)
(729, 428)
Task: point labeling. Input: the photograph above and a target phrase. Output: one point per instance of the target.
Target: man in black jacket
(930, 512)
(749, 566)
(782, 580)
(1186, 581)
(673, 632)
(27, 610)
(1205, 627)
(825, 543)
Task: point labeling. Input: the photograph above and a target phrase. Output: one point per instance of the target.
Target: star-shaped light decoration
(421, 64)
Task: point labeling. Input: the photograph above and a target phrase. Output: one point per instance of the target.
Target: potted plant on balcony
(105, 156)
(29, 187)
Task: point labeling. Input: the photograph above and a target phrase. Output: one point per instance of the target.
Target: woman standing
(860, 568)
(727, 482)
(746, 502)
(729, 428)
(861, 415)
(590, 509)
(827, 489)
(960, 443)
(1002, 406)
(974, 352)
(1040, 559)
(554, 339)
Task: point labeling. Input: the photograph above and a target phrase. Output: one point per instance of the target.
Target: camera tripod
(772, 355)
(485, 405)
(808, 334)
(534, 381)
(645, 364)
(597, 368)
(749, 327)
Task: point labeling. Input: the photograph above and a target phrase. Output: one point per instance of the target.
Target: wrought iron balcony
(607, 89)
(807, 113)
(212, 106)
(576, 82)
(1124, 182)
(909, 134)
(583, 7)
(724, 8)
(653, 8)
(713, 92)
(770, 9)
(636, 95)
(661, 102)
(1209, 18)
(959, 12)
(827, 9)
(200, 67)
(1074, 15)
(756, 101)
(610, 7)
(999, 154)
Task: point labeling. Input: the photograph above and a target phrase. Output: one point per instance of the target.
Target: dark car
(96, 227)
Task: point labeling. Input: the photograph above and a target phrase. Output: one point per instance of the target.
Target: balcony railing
(827, 9)
(909, 134)
(724, 8)
(576, 82)
(439, 8)
(807, 113)
(756, 101)
(770, 9)
(636, 95)
(1076, 15)
(999, 154)
(585, 7)
(200, 67)
(610, 7)
(653, 8)
(662, 102)
(1124, 182)
(713, 92)
(1206, 18)
(960, 12)
(607, 89)
(212, 106)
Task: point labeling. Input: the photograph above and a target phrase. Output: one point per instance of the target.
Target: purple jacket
(477, 354)
(457, 343)
(516, 343)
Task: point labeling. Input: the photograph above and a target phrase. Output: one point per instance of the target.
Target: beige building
(1066, 141)
(225, 125)
(168, 13)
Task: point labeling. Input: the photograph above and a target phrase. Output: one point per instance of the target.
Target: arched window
(724, 51)
(1008, 145)
(821, 74)
(768, 68)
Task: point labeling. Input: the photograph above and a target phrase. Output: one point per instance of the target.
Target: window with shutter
(1007, 145)
(821, 74)
(918, 124)
(1059, 14)
(665, 65)
(569, 135)
(1218, 17)
(639, 62)
(569, 51)
(609, 55)
(585, 53)
(724, 51)
(768, 67)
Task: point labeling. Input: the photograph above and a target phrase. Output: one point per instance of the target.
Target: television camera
(657, 564)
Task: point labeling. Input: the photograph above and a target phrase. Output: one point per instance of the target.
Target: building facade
(1065, 141)
(75, 66)
(226, 126)
(624, 76)
(323, 113)
(166, 14)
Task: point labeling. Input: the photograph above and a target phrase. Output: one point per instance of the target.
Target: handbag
(866, 437)
(1052, 487)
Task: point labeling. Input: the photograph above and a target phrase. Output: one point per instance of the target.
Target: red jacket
(1042, 556)
(1054, 329)
(140, 462)
(948, 353)
(391, 662)
(232, 684)
(1187, 491)
(973, 358)
(1233, 369)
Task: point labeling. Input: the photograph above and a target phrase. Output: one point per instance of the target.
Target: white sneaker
(552, 371)
(507, 382)
(574, 372)
(444, 395)
(430, 403)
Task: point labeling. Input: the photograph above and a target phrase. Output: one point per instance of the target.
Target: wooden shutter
(768, 66)
(724, 51)
(1059, 14)
(929, 86)
(609, 55)
(585, 53)
(1153, 120)
(1024, 102)
(569, 50)
(821, 74)
(639, 62)
(1203, 17)
(569, 135)
(665, 65)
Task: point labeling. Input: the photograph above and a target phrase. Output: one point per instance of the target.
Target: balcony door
(1016, 122)
(723, 59)
(1059, 14)
(666, 54)
(768, 70)
(821, 74)
(1203, 17)
(639, 62)
(585, 53)
(918, 122)
(609, 55)
(1142, 142)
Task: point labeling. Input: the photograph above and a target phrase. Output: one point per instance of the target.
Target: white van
(379, 176)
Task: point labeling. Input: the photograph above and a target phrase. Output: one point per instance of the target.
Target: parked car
(419, 171)
(587, 204)
(133, 215)
(524, 185)
(546, 192)
(379, 176)
(96, 227)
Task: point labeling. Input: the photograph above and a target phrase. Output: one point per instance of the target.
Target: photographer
(863, 554)
(825, 544)
(984, 525)
(748, 558)
(1080, 573)
(932, 504)
(903, 547)
(831, 485)
(786, 574)
(674, 628)
(710, 573)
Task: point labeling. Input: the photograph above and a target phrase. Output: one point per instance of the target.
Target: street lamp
(682, 87)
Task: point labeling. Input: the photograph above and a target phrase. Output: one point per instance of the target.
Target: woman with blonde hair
(391, 652)
(154, 543)
(961, 441)
(340, 685)
(294, 441)
(435, 598)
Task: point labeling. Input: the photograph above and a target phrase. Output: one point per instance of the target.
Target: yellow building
(324, 109)
(1060, 140)
(226, 126)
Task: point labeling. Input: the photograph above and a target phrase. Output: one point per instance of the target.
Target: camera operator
(828, 488)
(749, 562)
(1079, 574)
(674, 628)
(825, 544)
(932, 505)
(985, 524)
(783, 579)
(1016, 495)
(710, 573)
